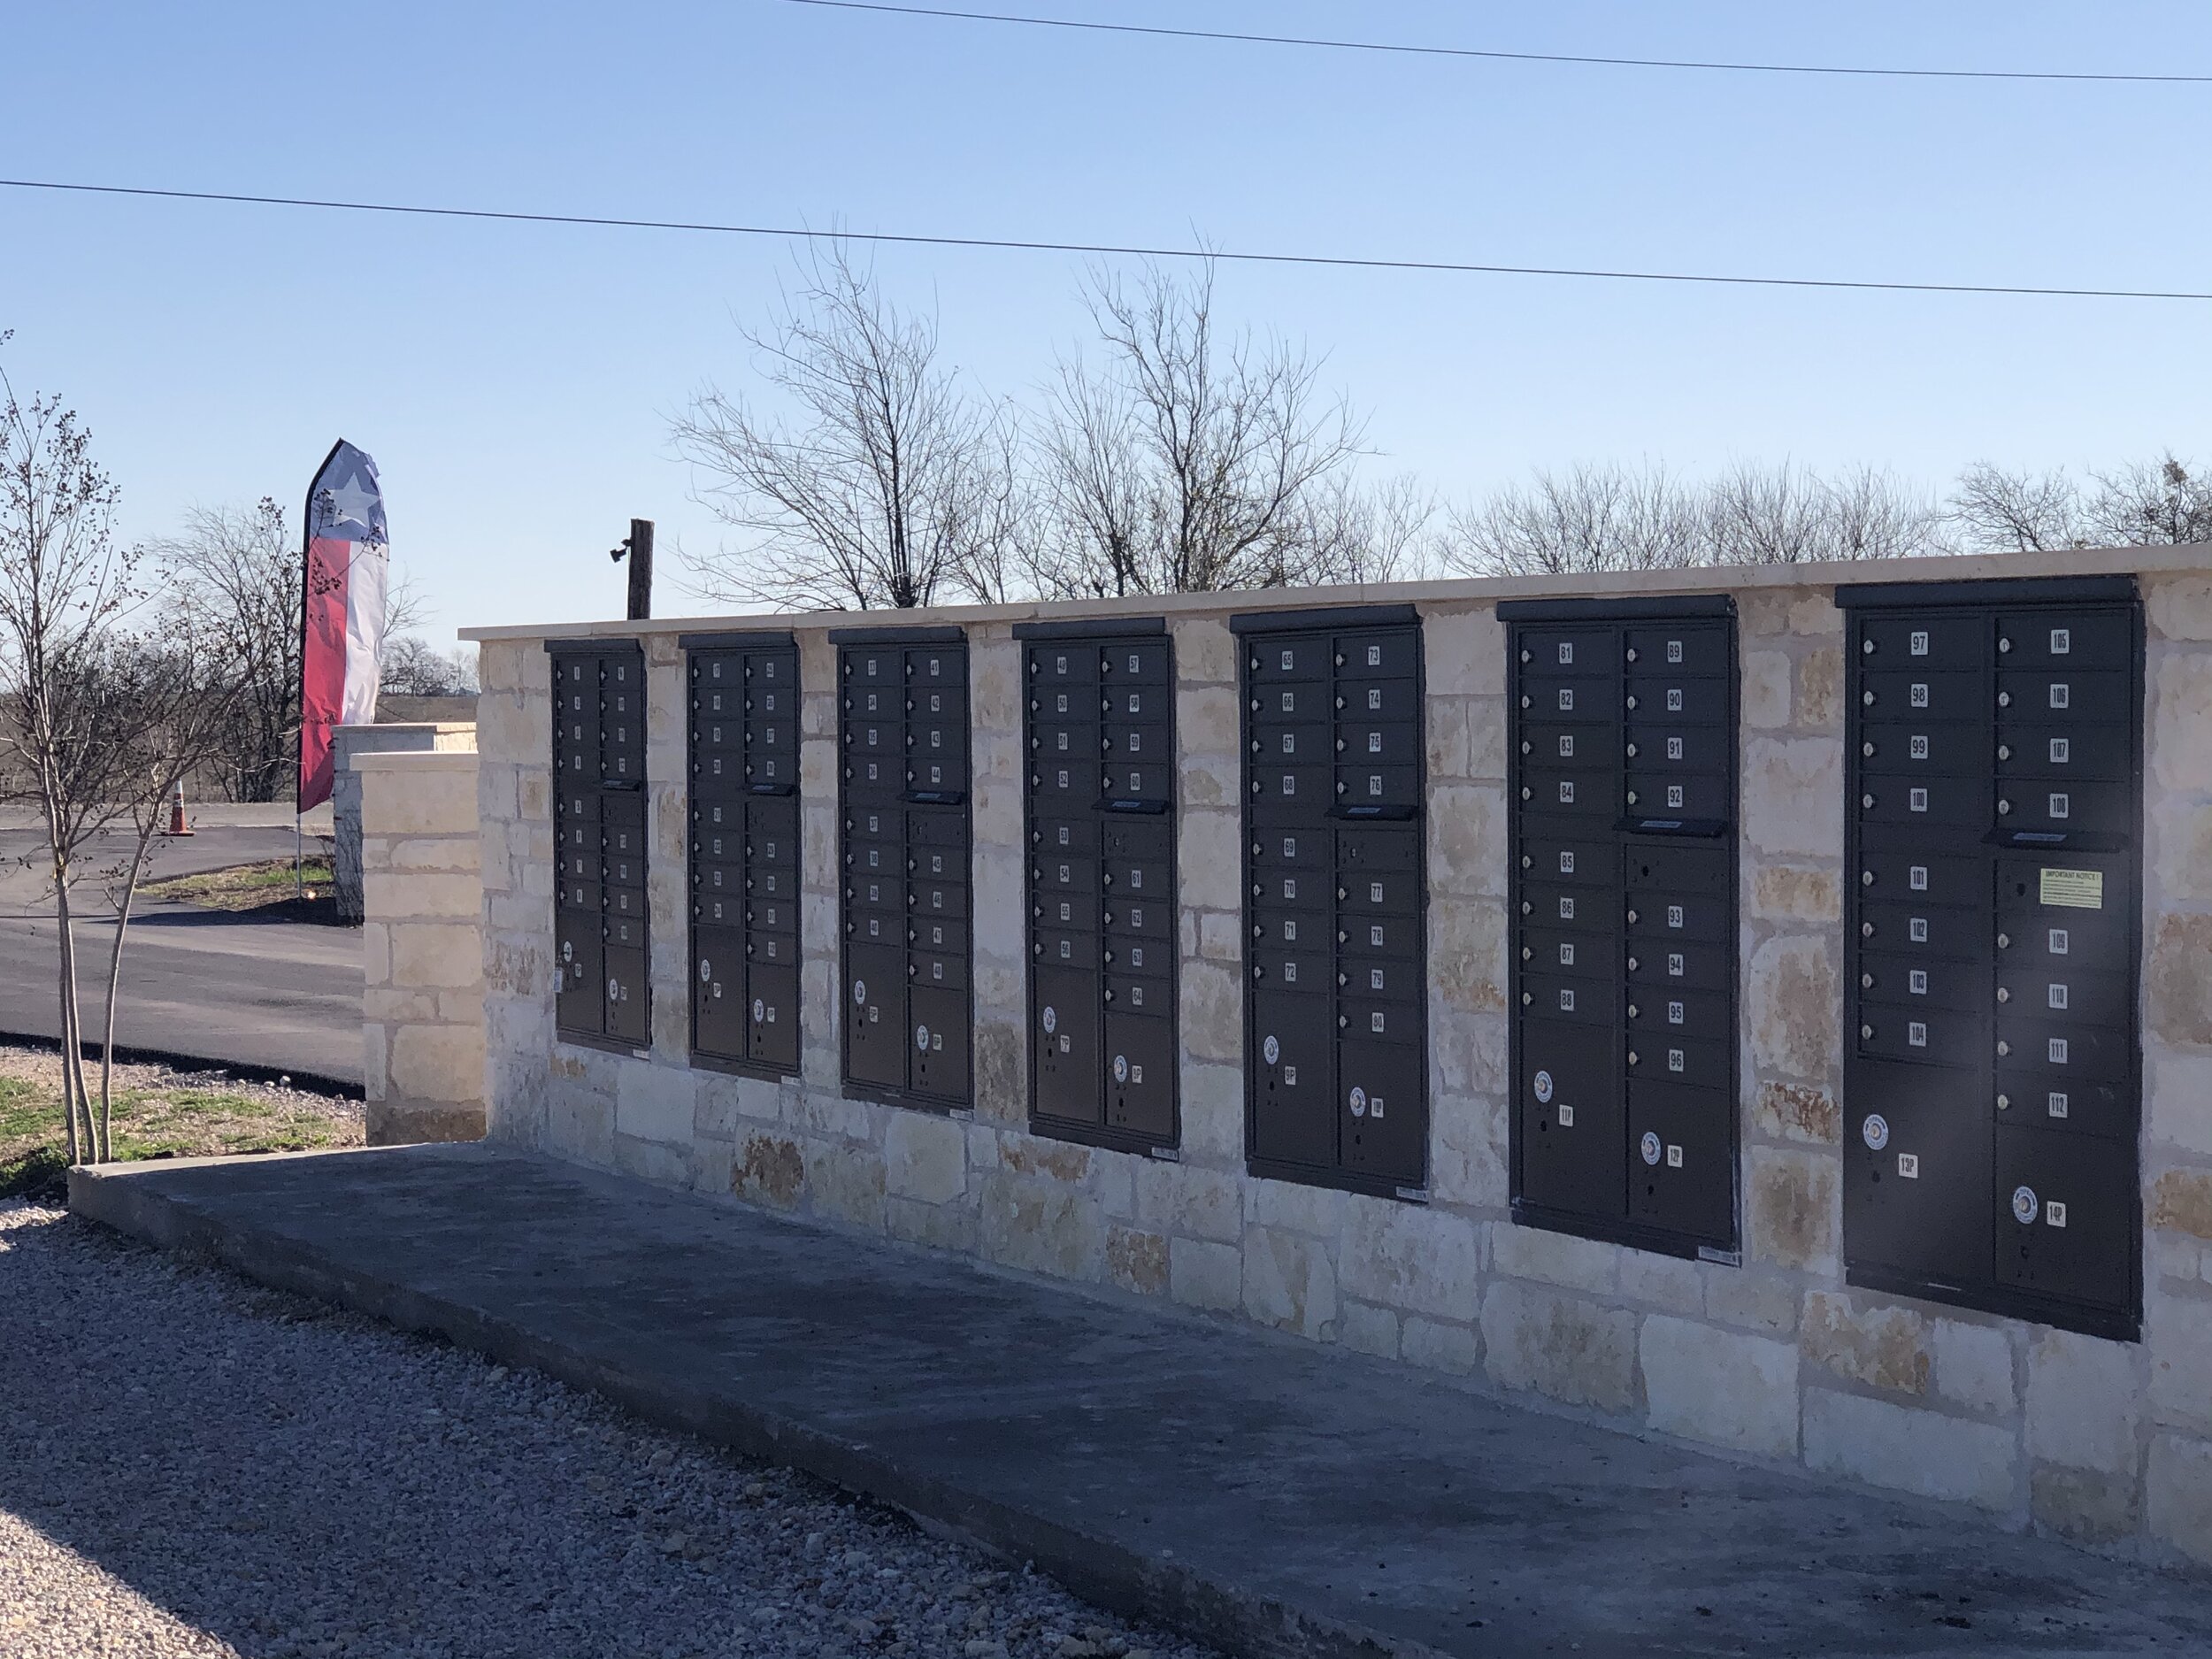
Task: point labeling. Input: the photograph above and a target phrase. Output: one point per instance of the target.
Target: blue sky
(515, 383)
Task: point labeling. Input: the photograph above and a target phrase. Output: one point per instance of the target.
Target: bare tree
(887, 488)
(1994, 509)
(65, 591)
(1588, 518)
(2149, 504)
(413, 667)
(1185, 462)
(1357, 533)
(1785, 514)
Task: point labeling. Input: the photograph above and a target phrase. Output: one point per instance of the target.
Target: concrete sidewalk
(1268, 1496)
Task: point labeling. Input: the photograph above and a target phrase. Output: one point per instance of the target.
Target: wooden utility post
(640, 546)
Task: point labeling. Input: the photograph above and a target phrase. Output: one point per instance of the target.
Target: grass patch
(155, 1123)
(241, 887)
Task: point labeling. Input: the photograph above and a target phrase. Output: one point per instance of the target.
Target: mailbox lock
(1526, 861)
(1867, 1031)
(2004, 644)
(2004, 942)
(1632, 755)
(1631, 702)
(1866, 982)
(1867, 801)
(1526, 953)
(1524, 792)
(2004, 751)
(2004, 699)
(1526, 999)
(1631, 653)
(1867, 646)
(1867, 698)
(1633, 964)
(2004, 1103)
(2004, 1049)
(2003, 996)
(1866, 877)
(1632, 1057)
(1631, 797)
(1867, 749)
(1631, 918)
(2003, 808)
(1525, 746)
(1634, 1012)
(1525, 657)
(1342, 1022)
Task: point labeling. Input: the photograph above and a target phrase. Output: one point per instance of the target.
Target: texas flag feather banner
(342, 625)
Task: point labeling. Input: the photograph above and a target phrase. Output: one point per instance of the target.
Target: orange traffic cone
(177, 825)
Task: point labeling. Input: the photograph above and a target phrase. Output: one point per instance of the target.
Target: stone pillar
(422, 1004)
(413, 736)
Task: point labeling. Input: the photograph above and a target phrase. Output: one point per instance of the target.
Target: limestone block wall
(422, 1000)
(345, 790)
(1773, 1357)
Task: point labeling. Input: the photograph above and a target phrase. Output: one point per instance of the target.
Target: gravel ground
(42, 1066)
(193, 1466)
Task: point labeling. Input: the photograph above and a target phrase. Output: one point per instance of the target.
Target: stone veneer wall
(345, 791)
(2107, 1443)
(422, 998)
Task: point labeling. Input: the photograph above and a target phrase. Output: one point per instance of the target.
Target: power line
(1407, 49)
(1109, 249)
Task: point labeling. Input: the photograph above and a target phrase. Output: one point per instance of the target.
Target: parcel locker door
(2065, 1215)
(938, 1050)
(1382, 1127)
(1065, 1045)
(629, 1013)
(1140, 1074)
(1572, 1125)
(772, 1015)
(1681, 1166)
(1294, 1112)
(718, 992)
(580, 991)
(1917, 1171)
(875, 1015)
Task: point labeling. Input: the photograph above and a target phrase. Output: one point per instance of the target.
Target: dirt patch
(158, 1113)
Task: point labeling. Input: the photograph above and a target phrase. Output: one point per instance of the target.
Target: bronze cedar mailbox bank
(903, 789)
(1622, 880)
(602, 990)
(742, 730)
(1991, 1068)
(1099, 741)
(1336, 1060)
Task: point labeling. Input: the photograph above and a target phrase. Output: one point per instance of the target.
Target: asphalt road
(206, 983)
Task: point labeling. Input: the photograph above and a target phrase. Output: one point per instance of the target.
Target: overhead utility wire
(1499, 57)
(1134, 250)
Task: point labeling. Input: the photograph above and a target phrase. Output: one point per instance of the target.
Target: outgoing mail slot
(1935, 1036)
(1577, 999)
(1917, 750)
(1582, 652)
(1152, 839)
(1664, 700)
(1656, 747)
(1677, 650)
(2096, 1053)
(2064, 697)
(1681, 794)
(2055, 639)
(1934, 695)
(2084, 1248)
(771, 831)
(1922, 981)
(2092, 995)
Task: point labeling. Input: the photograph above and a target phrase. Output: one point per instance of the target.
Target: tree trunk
(115, 976)
(80, 1098)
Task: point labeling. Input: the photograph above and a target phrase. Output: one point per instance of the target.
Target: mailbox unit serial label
(903, 894)
(1336, 1071)
(1100, 732)
(1992, 947)
(600, 987)
(1623, 988)
(742, 739)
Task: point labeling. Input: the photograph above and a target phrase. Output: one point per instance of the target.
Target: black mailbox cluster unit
(904, 740)
(1335, 1027)
(742, 735)
(1991, 1074)
(1102, 927)
(602, 991)
(1622, 723)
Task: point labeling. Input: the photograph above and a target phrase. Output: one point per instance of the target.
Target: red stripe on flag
(322, 664)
